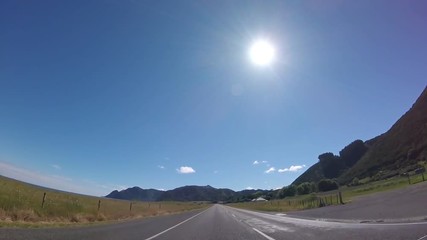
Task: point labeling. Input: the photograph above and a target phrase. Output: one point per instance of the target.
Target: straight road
(222, 222)
(400, 205)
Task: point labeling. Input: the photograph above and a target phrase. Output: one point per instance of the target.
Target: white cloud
(161, 166)
(249, 188)
(256, 162)
(270, 170)
(185, 170)
(118, 187)
(56, 181)
(57, 167)
(292, 168)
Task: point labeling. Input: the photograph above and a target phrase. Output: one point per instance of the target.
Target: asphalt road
(222, 222)
(400, 205)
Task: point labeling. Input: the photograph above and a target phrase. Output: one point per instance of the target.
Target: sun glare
(262, 53)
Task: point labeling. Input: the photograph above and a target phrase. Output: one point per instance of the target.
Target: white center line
(188, 219)
(263, 234)
(422, 237)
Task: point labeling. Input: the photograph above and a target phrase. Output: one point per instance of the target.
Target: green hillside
(399, 150)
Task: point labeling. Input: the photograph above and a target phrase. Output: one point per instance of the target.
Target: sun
(262, 53)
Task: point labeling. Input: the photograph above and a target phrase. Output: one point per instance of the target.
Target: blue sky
(102, 95)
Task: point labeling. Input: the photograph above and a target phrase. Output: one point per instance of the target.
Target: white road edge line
(422, 237)
(263, 234)
(188, 219)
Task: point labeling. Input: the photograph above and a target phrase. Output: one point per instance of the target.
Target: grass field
(330, 198)
(283, 205)
(21, 205)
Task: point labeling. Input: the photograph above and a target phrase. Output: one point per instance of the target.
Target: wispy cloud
(56, 181)
(270, 170)
(292, 168)
(249, 188)
(161, 166)
(185, 170)
(56, 166)
(256, 162)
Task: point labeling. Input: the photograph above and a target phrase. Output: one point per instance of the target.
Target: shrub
(304, 188)
(355, 182)
(287, 191)
(327, 185)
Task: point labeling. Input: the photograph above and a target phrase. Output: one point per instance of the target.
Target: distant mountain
(332, 166)
(188, 193)
(399, 149)
(392, 153)
(197, 193)
(312, 174)
(136, 193)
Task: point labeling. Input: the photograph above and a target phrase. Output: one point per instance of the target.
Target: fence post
(321, 203)
(409, 178)
(130, 207)
(99, 204)
(340, 195)
(44, 198)
(423, 177)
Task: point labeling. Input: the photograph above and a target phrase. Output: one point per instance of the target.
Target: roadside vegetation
(21, 204)
(326, 192)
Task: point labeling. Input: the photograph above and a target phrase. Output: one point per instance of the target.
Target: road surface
(222, 222)
(400, 205)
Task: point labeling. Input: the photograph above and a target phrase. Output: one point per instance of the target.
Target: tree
(304, 188)
(355, 182)
(313, 187)
(287, 191)
(327, 185)
(353, 152)
(331, 165)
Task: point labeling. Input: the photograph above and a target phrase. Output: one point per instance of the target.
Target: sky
(104, 95)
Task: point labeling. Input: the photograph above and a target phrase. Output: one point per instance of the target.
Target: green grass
(379, 186)
(21, 205)
(290, 204)
(330, 198)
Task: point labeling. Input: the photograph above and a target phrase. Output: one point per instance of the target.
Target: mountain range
(399, 150)
(186, 193)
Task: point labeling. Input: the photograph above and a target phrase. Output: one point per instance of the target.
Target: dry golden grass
(21, 204)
